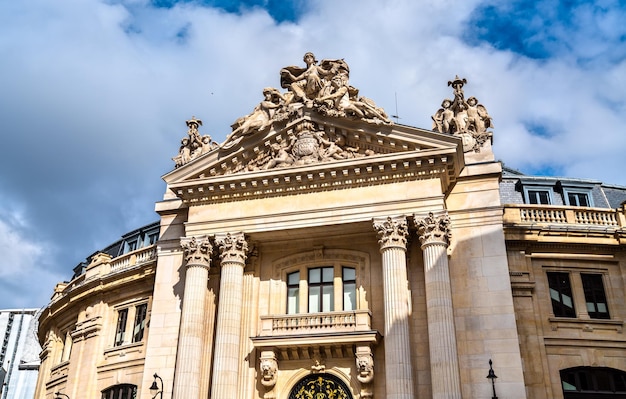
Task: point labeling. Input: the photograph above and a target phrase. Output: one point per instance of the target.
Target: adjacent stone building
(323, 251)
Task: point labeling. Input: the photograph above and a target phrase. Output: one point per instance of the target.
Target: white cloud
(95, 95)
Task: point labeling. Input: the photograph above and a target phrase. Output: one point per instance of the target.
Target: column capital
(198, 251)
(392, 231)
(433, 229)
(233, 247)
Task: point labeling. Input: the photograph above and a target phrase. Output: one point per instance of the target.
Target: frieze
(465, 118)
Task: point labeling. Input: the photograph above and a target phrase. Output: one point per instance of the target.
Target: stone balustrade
(133, 258)
(553, 214)
(315, 323)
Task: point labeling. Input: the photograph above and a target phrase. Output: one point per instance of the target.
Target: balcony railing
(552, 214)
(131, 259)
(315, 323)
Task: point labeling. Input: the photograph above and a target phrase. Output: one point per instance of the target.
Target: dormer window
(538, 195)
(550, 191)
(575, 193)
(576, 198)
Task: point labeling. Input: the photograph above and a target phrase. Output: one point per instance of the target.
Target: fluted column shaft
(392, 234)
(434, 234)
(192, 335)
(226, 362)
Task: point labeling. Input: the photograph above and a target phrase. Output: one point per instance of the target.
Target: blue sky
(95, 93)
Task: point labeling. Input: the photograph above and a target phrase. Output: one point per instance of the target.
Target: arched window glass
(121, 391)
(320, 386)
(593, 382)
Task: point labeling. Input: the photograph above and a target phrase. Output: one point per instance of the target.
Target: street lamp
(492, 376)
(154, 388)
(58, 395)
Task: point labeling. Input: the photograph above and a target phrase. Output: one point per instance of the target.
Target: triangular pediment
(313, 152)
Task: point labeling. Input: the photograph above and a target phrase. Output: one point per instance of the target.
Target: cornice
(382, 169)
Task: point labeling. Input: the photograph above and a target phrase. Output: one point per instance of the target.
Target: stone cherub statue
(466, 118)
(194, 144)
(460, 116)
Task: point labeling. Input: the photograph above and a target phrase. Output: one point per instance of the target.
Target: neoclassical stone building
(323, 251)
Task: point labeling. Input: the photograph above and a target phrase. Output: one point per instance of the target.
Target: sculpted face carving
(466, 118)
(269, 368)
(365, 368)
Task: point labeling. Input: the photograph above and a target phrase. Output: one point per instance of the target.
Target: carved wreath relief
(465, 118)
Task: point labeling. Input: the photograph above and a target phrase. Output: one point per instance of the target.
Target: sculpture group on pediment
(305, 144)
(194, 145)
(322, 87)
(466, 118)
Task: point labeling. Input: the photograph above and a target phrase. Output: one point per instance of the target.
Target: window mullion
(578, 296)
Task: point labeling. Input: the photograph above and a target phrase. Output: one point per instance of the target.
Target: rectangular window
(140, 322)
(561, 294)
(538, 197)
(595, 296)
(122, 316)
(321, 290)
(152, 238)
(132, 245)
(349, 288)
(577, 199)
(293, 293)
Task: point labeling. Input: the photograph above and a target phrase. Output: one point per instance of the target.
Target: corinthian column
(392, 233)
(191, 340)
(233, 249)
(434, 234)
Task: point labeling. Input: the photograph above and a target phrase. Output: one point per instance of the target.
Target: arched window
(121, 391)
(593, 383)
(320, 386)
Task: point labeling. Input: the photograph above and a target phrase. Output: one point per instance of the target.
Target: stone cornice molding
(233, 247)
(433, 229)
(392, 232)
(198, 251)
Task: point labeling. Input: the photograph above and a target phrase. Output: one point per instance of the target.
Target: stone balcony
(303, 336)
(565, 221)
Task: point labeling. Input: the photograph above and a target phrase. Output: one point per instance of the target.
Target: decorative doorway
(320, 386)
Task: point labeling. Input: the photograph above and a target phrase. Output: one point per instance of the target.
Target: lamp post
(58, 395)
(154, 388)
(492, 376)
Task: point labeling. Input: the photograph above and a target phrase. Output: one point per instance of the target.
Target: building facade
(323, 251)
(19, 354)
